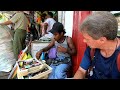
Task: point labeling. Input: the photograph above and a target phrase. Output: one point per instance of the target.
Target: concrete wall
(66, 17)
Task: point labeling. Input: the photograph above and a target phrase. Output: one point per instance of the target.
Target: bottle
(42, 56)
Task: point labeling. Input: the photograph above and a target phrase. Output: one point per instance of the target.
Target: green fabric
(19, 41)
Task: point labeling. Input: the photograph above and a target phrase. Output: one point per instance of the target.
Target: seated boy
(64, 49)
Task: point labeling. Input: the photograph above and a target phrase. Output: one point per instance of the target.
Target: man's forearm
(71, 52)
(6, 23)
(79, 75)
(45, 29)
(45, 49)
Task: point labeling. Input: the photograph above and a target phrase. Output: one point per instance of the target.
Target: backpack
(92, 52)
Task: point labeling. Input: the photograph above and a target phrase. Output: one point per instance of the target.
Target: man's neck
(62, 39)
(109, 48)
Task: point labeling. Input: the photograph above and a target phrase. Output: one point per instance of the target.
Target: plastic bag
(52, 53)
(7, 59)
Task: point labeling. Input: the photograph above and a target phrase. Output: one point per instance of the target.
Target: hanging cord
(117, 43)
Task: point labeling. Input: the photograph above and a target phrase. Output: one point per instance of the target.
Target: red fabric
(118, 62)
(77, 37)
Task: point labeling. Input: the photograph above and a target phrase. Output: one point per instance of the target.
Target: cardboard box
(21, 74)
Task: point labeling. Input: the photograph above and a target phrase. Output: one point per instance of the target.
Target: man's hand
(6, 23)
(38, 54)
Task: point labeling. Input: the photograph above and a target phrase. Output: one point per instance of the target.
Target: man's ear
(102, 39)
(62, 33)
